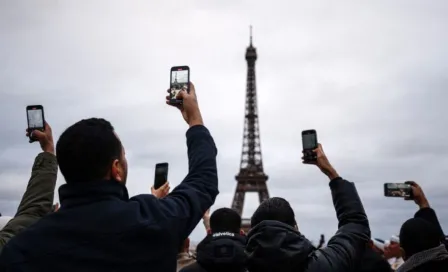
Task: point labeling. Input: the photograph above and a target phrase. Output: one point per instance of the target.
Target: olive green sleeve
(37, 199)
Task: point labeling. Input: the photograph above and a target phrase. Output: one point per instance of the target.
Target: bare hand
(189, 107)
(323, 163)
(162, 191)
(417, 195)
(45, 138)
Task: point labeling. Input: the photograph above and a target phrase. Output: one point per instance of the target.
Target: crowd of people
(98, 227)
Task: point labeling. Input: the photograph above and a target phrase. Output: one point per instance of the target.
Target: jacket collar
(81, 193)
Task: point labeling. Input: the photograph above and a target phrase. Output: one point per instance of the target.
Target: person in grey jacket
(37, 200)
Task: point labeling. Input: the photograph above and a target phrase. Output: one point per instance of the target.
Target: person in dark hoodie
(275, 243)
(422, 239)
(98, 227)
(222, 250)
(421, 247)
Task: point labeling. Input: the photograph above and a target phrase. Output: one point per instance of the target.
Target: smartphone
(161, 175)
(309, 143)
(179, 80)
(35, 118)
(397, 190)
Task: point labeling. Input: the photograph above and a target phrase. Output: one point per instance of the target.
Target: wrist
(331, 173)
(424, 204)
(49, 149)
(195, 121)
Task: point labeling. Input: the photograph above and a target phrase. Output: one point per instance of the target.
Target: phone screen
(35, 118)
(309, 140)
(397, 190)
(161, 175)
(180, 78)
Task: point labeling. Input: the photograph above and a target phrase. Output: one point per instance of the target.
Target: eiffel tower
(251, 177)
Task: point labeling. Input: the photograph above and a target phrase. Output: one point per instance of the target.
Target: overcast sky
(370, 77)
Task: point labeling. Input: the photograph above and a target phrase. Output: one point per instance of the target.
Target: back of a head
(275, 208)
(225, 220)
(417, 235)
(86, 150)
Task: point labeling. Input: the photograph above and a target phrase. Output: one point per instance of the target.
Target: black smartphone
(309, 143)
(397, 190)
(161, 175)
(179, 80)
(35, 118)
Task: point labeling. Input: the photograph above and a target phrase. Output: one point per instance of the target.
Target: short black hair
(86, 150)
(417, 234)
(225, 219)
(275, 208)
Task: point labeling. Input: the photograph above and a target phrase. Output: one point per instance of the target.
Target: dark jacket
(373, 262)
(274, 246)
(98, 228)
(430, 215)
(431, 260)
(220, 252)
(38, 198)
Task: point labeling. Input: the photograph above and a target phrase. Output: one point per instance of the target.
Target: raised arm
(184, 207)
(38, 198)
(425, 211)
(347, 246)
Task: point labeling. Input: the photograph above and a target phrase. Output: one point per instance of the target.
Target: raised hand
(417, 195)
(45, 138)
(189, 106)
(162, 191)
(323, 163)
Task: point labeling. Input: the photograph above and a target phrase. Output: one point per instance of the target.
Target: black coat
(220, 252)
(373, 262)
(274, 246)
(98, 228)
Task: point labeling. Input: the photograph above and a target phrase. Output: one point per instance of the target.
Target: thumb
(181, 95)
(38, 134)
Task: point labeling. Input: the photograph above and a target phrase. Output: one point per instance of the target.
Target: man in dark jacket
(98, 228)
(275, 244)
(422, 239)
(38, 198)
(223, 249)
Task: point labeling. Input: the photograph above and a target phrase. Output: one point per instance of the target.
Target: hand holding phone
(161, 175)
(179, 81)
(36, 120)
(38, 129)
(398, 190)
(309, 143)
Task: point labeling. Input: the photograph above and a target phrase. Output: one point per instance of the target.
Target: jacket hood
(274, 246)
(222, 251)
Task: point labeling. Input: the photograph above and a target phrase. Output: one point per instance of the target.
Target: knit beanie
(417, 235)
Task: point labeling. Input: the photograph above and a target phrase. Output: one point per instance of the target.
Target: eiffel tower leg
(238, 200)
(263, 193)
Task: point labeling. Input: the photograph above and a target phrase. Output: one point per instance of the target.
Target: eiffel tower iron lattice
(251, 177)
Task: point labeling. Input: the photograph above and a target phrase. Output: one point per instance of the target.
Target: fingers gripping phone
(309, 143)
(36, 120)
(398, 190)
(179, 81)
(161, 175)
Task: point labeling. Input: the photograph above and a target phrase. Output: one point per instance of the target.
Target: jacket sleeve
(37, 199)
(184, 207)
(430, 215)
(349, 243)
